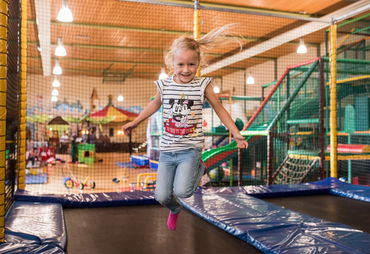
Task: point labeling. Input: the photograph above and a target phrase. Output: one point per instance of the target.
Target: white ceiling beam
(286, 37)
(43, 20)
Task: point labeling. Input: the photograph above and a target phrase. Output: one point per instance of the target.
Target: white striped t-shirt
(182, 113)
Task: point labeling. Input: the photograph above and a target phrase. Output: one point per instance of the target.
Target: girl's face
(185, 65)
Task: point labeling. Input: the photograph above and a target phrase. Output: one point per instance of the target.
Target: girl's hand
(241, 142)
(128, 127)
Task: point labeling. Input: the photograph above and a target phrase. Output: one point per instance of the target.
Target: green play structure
(292, 123)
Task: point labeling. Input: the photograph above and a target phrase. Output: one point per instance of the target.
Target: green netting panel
(352, 35)
(272, 108)
(298, 127)
(304, 99)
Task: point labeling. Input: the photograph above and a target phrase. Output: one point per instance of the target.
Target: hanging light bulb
(163, 74)
(56, 82)
(250, 79)
(65, 14)
(120, 98)
(55, 92)
(60, 50)
(216, 89)
(54, 98)
(302, 49)
(57, 70)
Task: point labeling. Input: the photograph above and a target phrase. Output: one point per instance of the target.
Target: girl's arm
(149, 110)
(225, 116)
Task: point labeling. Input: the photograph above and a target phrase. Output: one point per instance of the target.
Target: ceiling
(116, 39)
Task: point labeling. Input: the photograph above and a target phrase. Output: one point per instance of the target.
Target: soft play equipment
(34, 227)
(351, 148)
(275, 229)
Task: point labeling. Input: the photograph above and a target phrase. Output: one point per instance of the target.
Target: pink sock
(171, 221)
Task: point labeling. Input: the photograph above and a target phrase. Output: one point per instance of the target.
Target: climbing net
(294, 170)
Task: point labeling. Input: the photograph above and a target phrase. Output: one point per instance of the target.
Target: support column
(3, 92)
(333, 102)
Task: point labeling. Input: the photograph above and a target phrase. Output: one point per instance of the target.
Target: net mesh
(115, 50)
(353, 69)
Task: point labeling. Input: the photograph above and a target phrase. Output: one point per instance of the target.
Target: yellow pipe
(303, 157)
(353, 79)
(347, 80)
(23, 102)
(333, 101)
(196, 26)
(345, 38)
(3, 88)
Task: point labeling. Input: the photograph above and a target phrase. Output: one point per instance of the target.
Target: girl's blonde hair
(215, 38)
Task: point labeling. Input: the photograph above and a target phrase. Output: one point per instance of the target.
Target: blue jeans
(178, 175)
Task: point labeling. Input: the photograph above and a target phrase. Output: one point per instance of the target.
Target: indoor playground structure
(289, 132)
(296, 83)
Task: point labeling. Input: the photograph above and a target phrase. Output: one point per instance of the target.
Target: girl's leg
(178, 176)
(188, 173)
(164, 183)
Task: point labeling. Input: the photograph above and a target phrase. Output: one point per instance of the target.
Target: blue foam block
(37, 179)
(124, 164)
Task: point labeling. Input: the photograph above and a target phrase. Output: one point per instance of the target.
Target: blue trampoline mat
(238, 211)
(274, 229)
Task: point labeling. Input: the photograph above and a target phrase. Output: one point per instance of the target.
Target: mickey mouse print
(178, 121)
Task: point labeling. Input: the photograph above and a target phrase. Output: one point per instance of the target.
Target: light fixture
(216, 89)
(120, 98)
(54, 98)
(60, 50)
(302, 49)
(250, 79)
(56, 82)
(55, 92)
(65, 14)
(57, 70)
(163, 74)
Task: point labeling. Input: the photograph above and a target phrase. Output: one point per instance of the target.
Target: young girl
(182, 96)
